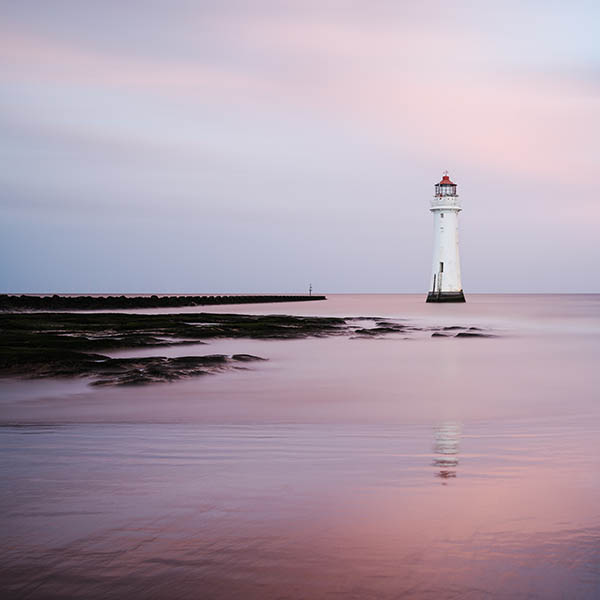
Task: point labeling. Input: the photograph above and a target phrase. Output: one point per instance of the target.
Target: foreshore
(79, 302)
(59, 344)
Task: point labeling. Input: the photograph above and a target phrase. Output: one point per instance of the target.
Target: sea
(400, 466)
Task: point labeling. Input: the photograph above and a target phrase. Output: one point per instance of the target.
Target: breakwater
(67, 302)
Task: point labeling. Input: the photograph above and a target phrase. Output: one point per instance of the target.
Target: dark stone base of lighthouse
(446, 297)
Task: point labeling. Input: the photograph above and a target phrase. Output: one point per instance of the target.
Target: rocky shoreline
(72, 344)
(57, 344)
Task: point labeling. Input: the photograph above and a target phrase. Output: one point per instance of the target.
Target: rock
(390, 324)
(375, 331)
(246, 357)
(471, 334)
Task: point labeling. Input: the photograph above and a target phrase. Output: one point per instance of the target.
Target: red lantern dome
(446, 180)
(446, 187)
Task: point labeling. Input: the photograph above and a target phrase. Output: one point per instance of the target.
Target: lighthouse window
(441, 267)
(442, 215)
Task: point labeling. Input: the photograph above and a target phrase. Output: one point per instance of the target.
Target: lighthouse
(445, 284)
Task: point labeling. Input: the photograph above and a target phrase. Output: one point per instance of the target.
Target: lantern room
(445, 187)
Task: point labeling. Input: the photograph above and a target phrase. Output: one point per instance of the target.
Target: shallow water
(360, 468)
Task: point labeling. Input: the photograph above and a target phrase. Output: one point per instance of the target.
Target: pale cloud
(261, 112)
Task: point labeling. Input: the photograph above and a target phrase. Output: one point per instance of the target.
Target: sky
(258, 146)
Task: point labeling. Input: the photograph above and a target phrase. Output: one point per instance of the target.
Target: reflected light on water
(447, 440)
(317, 474)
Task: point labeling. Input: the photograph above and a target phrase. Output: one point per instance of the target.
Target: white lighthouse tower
(445, 284)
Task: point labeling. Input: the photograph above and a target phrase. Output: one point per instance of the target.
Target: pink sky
(216, 133)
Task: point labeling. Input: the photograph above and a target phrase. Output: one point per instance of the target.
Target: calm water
(341, 468)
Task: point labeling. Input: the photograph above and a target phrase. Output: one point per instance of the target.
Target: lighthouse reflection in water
(446, 448)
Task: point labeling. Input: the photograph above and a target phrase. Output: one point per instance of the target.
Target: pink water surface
(353, 468)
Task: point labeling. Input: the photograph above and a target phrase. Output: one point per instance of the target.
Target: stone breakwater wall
(56, 302)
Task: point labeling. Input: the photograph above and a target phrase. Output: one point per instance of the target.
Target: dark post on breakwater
(68, 302)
